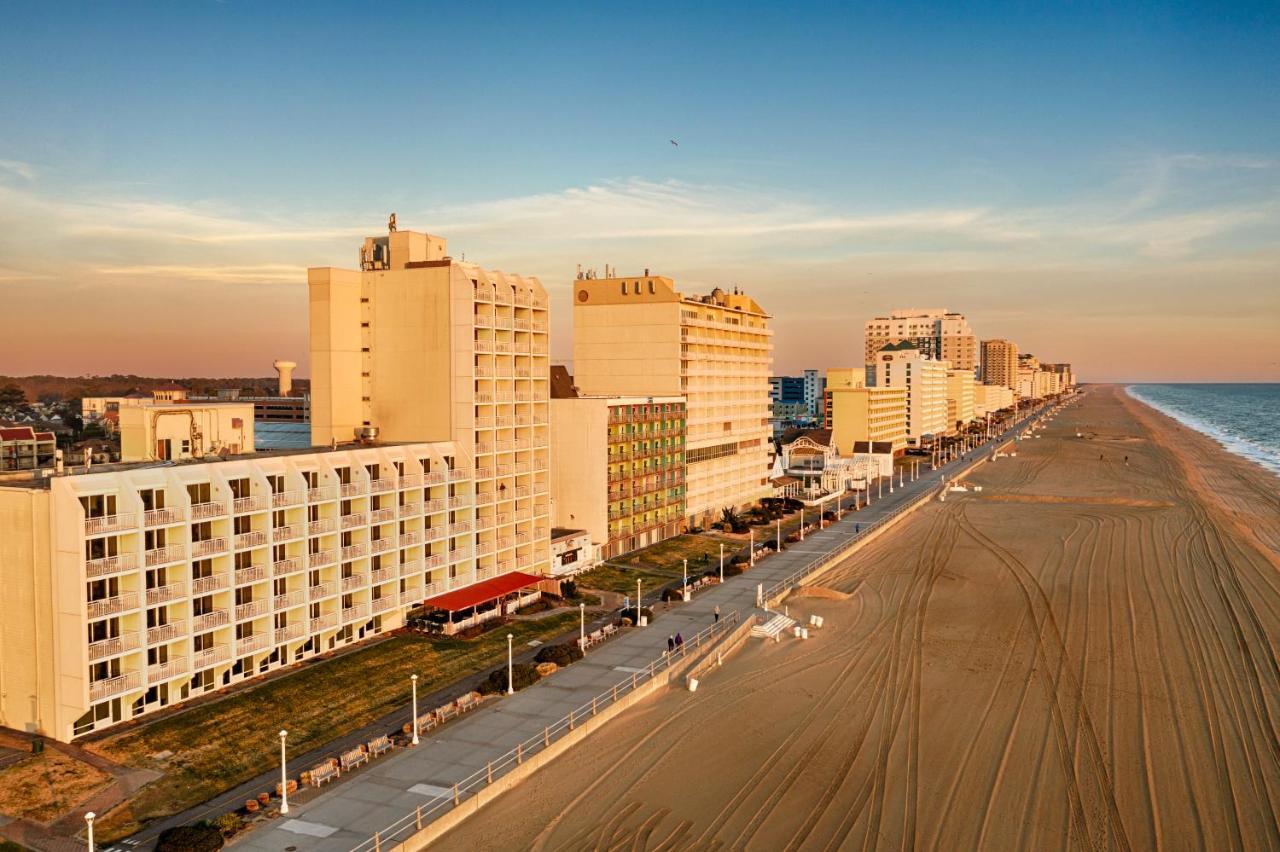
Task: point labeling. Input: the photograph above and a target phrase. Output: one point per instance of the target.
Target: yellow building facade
(416, 346)
(999, 363)
(129, 588)
(959, 397)
(857, 413)
(184, 429)
(636, 336)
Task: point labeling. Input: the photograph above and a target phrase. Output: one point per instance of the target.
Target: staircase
(773, 627)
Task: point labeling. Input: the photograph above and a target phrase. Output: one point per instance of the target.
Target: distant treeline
(68, 388)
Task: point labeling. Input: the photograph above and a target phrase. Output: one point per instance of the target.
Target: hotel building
(618, 466)
(1000, 363)
(902, 365)
(131, 587)
(938, 333)
(857, 413)
(638, 336)
(416, 346)
(960, 385)
(991, 398)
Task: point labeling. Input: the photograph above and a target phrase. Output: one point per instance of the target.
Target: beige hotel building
(857, 413)
(639, 336)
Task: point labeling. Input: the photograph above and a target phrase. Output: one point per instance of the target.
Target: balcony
(321, 590)
(320, 526)
(459, 474)
(435, 560)
(459, 527)
(381, 545)
(321, 493)
(210, 584)
(389, 483)
(287, 498)
(252, 503)
(411, 480)
(165, 594)
(411, 538)
(162, 517)
(116, 645)
(286, 566)
(411, 508)
(321, 558)
(435, 478)
(101, 690)
(382, 516)
(167, 671)
(353, 489)
(246, 540)
(251, 574)
(210, 620)
(109, 523)
(484, 548)
(110, 565)
(355, 519)
(413, 566)
(210, 657)
(251, 609)
(459, 501)
(166, 632)
(386, 603)
(286, 532)
(164, 555)
(289, 631)
(355, 582)
(208, 547)
(354, 551)
(104, 607)
(355, 613)
(289, 599)
(249, 644)
(205, 511)
(326, 621)
(410, 598)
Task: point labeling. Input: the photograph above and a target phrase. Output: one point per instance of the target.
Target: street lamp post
(802, 523)
(779, 548)
(414, 721)
(284, 776)
(751, 549)
(722, 562)
(511, 672)
(88, 819)
(582, 627)
(637, 603)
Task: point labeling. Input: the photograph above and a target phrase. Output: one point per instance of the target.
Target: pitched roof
(818, 436)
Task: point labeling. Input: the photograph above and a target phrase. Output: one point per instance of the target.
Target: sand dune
(1096, 670)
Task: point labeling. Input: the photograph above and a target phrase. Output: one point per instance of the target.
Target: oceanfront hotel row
(450, 465)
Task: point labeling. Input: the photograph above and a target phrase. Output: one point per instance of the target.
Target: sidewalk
(348, 814)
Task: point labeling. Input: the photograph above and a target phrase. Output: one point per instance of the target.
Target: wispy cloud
(26, 171)
(260, 273)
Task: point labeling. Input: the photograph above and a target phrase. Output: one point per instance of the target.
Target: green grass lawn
(659, 563)
(227, 742)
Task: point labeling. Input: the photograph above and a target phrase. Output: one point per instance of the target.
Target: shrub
(734, 568)
(569, 589)
(228, 824)
(672, 594)
(771, 544)
(793, 538)
(630, 612)
(522, 675)
(202, 837)
(561, 655)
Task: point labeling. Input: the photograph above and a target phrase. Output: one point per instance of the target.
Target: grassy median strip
(228, 742)
(659, 563)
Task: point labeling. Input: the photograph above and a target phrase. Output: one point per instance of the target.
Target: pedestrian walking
(857, 528)
(717, 613)
(671, 644)
(679, 642)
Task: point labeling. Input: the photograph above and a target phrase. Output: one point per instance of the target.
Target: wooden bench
(426, 722)
(447, 711)
(609, 630)
(379, 746)
(468, 702)
(351, 759)
(322, 773)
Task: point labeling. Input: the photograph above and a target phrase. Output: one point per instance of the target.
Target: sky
(1098, 182)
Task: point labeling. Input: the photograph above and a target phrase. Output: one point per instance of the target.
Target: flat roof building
(858, 413)
(902, 365)
(1000, 363)
(940, 334)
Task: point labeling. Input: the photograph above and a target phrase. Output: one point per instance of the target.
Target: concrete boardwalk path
(349, 813)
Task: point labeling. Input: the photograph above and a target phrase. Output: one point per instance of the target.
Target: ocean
(1245, 419)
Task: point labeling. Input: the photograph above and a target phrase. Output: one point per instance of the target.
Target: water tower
(285, 370)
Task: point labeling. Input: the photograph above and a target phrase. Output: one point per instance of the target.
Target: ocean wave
(1260, 454)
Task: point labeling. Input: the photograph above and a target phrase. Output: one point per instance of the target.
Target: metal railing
(413, 822)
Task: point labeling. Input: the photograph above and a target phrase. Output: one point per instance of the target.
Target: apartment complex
(416, 346)
(1000, 363)
(857, 413)
(23, 448)
(639, 336)
(902, 365)
(960, 385)
(131, 587)
(618, 469)
(938, 333)
(991, 398)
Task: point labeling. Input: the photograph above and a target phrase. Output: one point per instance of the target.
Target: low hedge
(630, 612)
(561, 655)
(522, 675)
(202, 837)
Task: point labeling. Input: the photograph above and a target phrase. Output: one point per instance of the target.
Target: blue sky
(982, 157)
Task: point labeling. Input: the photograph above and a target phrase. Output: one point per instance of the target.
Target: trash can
(37, 746)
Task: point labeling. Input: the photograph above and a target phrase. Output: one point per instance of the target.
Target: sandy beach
(1083, 655)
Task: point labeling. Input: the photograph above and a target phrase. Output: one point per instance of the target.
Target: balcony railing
(409, 597)
(110, 565)
(326, 621)
(354, 551)
(355, 519)
(251, 574)
(109, 523)
(166, 632)
(289, 599)
(386, 603)
(355, 612)
(435, 560)
(160, 517)
(104, 607)
(167, 671)
(127, 641)
(321, 590)
(413, 566)
(459, 474)
(321, 558)
(436, 477)
(289, 631)
(210, 657)
(411, 538)
(353, 489)
(484, 548)
(381, 545)
(286, 566)
(355, 582)
(320, 526)
(249, 644)
(382, 516)
(458, 527)
(251, 609)
(208, 547)
(100, 690)
(164, 594)
(253, 538)
(210, 620)
(459, 501)
(163, 555)
(286, 532)
(411, 480)
(204, 511)
(252, 503)
(388, 483)
(382, 575)
(287, 498)
(321, 493)
(211, 583)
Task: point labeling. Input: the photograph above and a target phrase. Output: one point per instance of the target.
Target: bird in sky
(674, 142)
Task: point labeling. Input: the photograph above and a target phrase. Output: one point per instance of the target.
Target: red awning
(485, 590)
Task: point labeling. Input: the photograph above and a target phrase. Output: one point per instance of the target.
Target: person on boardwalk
(717, 613)
(679, 642)
(671, 644)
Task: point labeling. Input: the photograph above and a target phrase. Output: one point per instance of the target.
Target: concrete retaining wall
(721, 650)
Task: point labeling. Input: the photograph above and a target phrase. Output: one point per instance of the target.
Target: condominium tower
(901, 365)
(1000, 363)
(938, 333)
(416, 346)
(857, 413)
(636, 336)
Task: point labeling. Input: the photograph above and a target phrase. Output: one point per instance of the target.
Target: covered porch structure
(478, 603)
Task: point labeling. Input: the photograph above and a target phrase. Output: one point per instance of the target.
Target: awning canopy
(485, 590)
